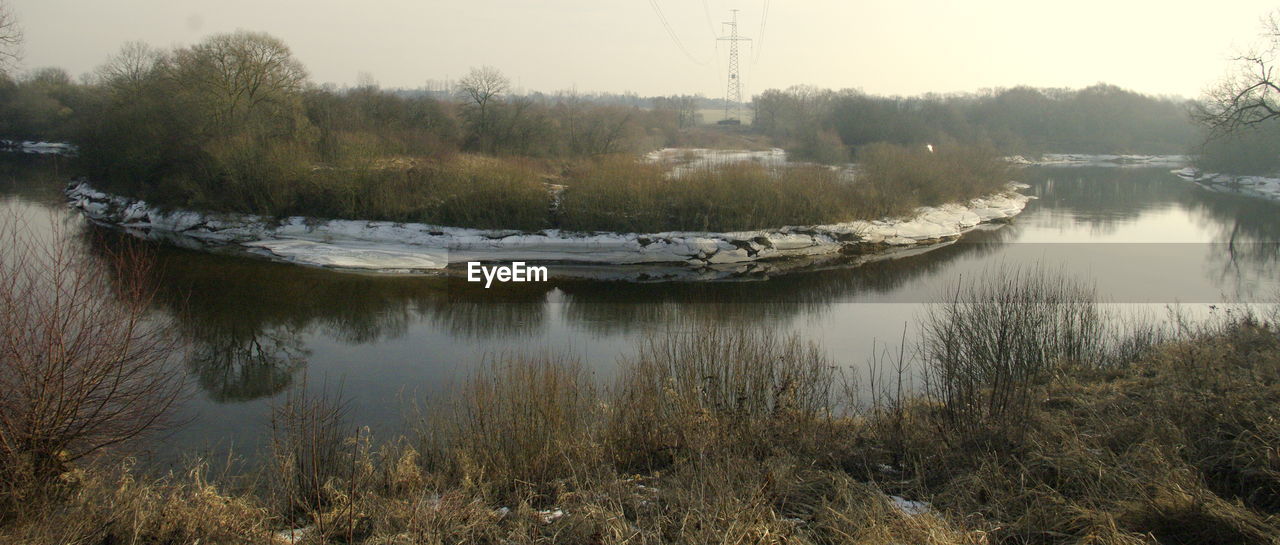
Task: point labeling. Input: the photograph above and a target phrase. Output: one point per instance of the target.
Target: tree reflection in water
(1247, 241)
(238, 364)
(249, 319)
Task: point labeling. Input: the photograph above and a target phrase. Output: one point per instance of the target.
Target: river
(1148, 239)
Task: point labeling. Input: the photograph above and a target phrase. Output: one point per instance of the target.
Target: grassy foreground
(1040, 421)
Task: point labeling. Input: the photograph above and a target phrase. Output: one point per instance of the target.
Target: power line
(672, 33)
(710, 25)
(759, 45)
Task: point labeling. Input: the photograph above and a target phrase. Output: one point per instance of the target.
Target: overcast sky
(880, 46)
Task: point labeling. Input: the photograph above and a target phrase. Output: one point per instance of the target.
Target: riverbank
(413, 247)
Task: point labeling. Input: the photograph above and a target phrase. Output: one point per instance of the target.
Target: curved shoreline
(383, 246)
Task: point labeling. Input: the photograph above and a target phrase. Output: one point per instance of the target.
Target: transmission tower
(733, 96)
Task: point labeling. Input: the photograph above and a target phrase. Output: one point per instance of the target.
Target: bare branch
(83, 364)
(10, 39)
(1251, 94)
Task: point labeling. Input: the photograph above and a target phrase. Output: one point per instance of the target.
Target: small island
(586, 220)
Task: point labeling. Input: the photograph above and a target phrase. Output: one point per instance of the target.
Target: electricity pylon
(733, 96)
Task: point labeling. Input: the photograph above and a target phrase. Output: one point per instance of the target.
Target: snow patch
(353, 255)
(550, 515)
(38, 147)
(692, 159)
(910, 508)
(1260, 187)
(293, 535)
(1089, 160)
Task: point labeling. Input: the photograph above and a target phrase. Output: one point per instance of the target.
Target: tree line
(240, 104)
(825, 124)
(240, 107)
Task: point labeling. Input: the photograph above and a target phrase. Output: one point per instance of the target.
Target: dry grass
(897, 179)
(117, 505)
(1174, 449)
(626, 195)
(460, 191)
(623, 194)
(712, 390)
(526, 428)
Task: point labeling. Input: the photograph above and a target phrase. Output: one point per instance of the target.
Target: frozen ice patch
(354, 255)
(1260, 187)
(1101, 160)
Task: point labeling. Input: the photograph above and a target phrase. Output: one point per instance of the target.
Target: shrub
(307, 435)
(997, 340)
(823, 147)
(896, 179)
(524, 427)
(83, 366)
(255, 175)
(718, 389)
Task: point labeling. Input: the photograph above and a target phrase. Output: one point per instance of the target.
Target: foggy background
(882, 47)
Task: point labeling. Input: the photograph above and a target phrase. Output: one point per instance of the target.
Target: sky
(901, 47)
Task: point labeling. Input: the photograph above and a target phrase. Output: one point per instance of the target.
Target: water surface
(1147, 238)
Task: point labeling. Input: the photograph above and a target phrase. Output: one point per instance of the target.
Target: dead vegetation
(900, 178)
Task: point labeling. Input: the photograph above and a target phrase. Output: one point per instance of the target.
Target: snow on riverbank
(682, 161)
(40, 148)
(406, 247)
(1249, 186)
(1086, 160)
(690, 159)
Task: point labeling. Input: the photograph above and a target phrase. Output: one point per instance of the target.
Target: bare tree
(1251, 94)
(241, 77)
(128, 70)
(685, 108)
(592, 129)
(480, 88)
(83, 364)
(482, 85)
(10, 39)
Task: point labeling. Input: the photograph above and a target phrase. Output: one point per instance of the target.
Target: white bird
(929, 147)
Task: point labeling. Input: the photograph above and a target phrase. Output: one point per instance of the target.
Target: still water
(1148, 240)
